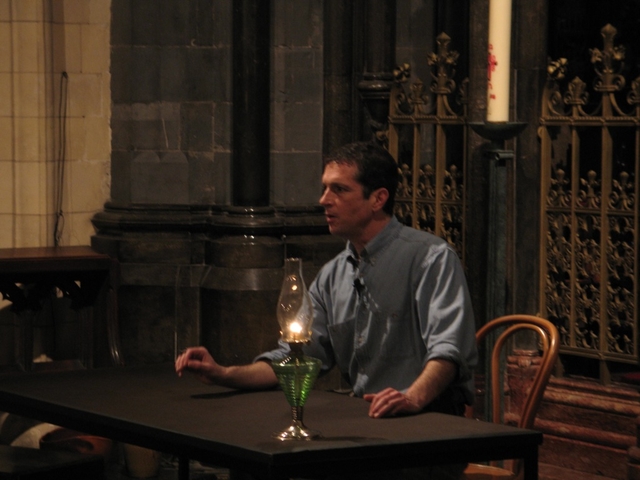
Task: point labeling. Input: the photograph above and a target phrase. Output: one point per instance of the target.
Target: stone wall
(54, 120)
(195, 268)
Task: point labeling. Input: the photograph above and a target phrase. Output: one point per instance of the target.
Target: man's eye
(334, 189)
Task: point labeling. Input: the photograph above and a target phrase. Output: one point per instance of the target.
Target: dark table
(152, 407)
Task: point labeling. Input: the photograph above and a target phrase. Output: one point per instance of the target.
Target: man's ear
(380, 197)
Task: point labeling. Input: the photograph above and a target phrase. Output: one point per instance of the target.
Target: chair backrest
(549, 338)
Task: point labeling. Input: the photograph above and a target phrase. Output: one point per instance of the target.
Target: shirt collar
(378, 243)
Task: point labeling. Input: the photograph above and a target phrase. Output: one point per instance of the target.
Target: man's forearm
(255, 376)
(436, 376)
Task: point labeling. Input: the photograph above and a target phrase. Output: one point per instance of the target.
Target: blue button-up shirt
(383, 315)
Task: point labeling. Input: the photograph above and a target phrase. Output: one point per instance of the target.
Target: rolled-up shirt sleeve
(445, 312)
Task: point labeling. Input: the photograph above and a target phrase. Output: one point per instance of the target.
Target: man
(392, 311)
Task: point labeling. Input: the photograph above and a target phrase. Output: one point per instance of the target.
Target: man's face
(347, 212)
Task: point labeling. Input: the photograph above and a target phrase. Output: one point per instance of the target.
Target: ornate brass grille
(428, 138)
(590, 147)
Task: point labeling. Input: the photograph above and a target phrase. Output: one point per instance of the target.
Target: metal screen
(590, 148)
(428, 138)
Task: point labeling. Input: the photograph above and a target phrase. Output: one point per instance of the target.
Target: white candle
(499, 61)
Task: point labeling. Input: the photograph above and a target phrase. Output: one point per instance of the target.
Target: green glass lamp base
(297, 431)
(296, 375)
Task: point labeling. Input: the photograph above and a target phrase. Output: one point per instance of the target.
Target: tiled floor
(169, 471)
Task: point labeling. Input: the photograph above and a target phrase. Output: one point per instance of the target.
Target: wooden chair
(550, 343)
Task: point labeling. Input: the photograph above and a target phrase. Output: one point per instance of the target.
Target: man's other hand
(390, 402)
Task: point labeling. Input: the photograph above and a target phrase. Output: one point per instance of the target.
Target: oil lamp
(297, 372)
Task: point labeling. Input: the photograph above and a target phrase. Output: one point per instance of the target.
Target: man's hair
(376, 168)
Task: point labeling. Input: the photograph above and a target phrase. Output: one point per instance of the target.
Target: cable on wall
(61, 158)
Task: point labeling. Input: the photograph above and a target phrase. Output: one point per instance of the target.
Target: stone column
(338, 103)
(251, 100)
(245, 253)
(379, 61)
(246, 247)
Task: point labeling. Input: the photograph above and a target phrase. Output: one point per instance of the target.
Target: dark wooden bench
(27, 278)
(19, 463)
(29, 275)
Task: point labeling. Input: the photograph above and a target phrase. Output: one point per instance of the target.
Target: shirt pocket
(342, 341)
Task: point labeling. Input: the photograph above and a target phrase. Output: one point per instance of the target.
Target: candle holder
(498, 131)
(297, 372)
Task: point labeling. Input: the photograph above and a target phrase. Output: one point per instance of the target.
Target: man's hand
(437, 374)
(199, 361)
(390, 402)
